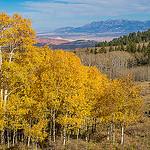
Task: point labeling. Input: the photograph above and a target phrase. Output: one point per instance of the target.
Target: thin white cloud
(70, 9)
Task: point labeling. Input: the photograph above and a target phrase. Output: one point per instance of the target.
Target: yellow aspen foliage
(122, 102)
(43, 88)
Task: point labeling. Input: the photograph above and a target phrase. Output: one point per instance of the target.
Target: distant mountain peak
(64, 29)
(110, 26)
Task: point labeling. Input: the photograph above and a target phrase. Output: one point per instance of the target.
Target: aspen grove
(48, 93)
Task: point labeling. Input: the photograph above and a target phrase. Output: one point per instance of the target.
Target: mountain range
(90, 34)
(109, 27)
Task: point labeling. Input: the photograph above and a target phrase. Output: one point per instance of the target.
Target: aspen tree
(15, 33)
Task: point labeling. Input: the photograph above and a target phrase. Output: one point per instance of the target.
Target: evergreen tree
(128, 48)
(132, 37)
(119, 48)
(144, 49)
(148, 52)
(122, 47)
(111, 49)
(95, 51)
(91, 51)
(132, 47)
(87, 51)
(139, 34)
(103, 50)
(139, 48)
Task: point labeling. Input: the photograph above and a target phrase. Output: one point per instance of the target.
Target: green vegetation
(129, 44)
(132, 37)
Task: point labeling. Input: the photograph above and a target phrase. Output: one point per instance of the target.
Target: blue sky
(48, 15)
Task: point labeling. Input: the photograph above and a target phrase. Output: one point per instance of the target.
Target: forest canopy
(45, 92)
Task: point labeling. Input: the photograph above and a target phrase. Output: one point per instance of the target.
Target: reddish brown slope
(51, 41)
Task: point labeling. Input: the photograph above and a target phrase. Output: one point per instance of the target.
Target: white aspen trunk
(61, 134)
(54, 125)
(6, 88)
(2, 137)
(111, 128)
(2, 132)
(95, 124)
(29, 140)
(64, 136)
(113, 133)
(5, 96)
(8, 138)
(50, 133)
(1, 73)
(19, 135)
(122, 132)
(36, 145)
(77, 136)
(108, 133)
(65, 131)
(14, 138)
(33, 144)
(86, 128)
(68, 137)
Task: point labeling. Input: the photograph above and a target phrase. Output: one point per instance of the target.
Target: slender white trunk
(8, 137)
(50, 132)
(77, 135)
(61, 133)
(18, 135)
(14, 138)
(64, 136)
(36, 145)
(54, 125)
(5, 97)
(68, 137)
(92, 126)
(33, 143)
(108, 133)
(1, 73)
(6, 88)
(86, 128)
(113, 133)
(28, 140)
(122, 131)
(95, 124)
(2, 137)
(2, 132)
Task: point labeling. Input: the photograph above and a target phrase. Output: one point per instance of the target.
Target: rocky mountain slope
(109, 27)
